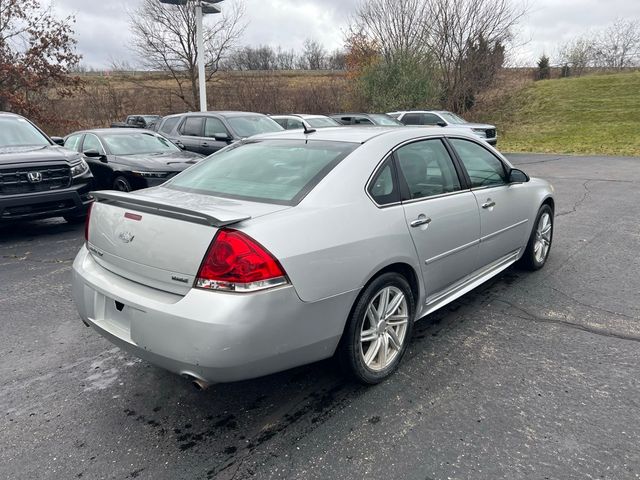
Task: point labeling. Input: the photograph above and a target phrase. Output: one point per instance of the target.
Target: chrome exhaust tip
(198, 383)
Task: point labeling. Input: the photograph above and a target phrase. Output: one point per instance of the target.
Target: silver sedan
(289, 248)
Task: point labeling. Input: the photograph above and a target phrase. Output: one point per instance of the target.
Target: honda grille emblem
(126, 237)
(34, 177)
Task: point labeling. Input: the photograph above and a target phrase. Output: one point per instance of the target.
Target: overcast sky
(102, 28)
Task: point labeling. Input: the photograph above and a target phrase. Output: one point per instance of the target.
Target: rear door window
(412, 119)
(192, 127)
(430, 119)
(168, 124)
(271, 171)
(427, 169)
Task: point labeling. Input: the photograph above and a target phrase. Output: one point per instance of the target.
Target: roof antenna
(308, 130)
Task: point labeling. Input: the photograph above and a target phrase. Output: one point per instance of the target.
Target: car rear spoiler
(217, 218)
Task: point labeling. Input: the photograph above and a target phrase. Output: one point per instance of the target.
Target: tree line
(264, 57)
(397, 54)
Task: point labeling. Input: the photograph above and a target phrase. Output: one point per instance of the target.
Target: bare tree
(286, 59)
(313, 56)
(461, 37)
(253, 58)
(618, 46)
(395, 26)
(164, 38)
(454, 27)
(578, 54)
(337, 60)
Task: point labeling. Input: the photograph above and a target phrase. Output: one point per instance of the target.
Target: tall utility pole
(202, 8)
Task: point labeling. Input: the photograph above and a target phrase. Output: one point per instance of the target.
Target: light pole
(202, 8)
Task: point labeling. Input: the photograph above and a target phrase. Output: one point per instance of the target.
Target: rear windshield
(18, 132)
(271, 171)
(321, 122)
(247, 125)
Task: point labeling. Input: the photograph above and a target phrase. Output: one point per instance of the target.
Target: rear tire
(539, 246)
(378, 330)
(121, 184)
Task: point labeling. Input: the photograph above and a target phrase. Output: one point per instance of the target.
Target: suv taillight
(86, 223)
(235, 262)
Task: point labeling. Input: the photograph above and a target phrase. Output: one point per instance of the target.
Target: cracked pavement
(530, 376)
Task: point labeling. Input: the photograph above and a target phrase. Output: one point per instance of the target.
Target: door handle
(421, 220)
(489, 203)
(204, 144)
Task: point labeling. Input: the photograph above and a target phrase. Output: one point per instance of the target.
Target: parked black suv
(208, 132)
(38, 178)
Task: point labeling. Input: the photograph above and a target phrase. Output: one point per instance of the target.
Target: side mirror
(58, 141)
(95, 154)
(518, 176)
(222, 137)
(441, 124)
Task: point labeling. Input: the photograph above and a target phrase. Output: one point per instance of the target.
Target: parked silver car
(288, 248)
(442, 118)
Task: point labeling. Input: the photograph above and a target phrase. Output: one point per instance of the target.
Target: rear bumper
(213, 336)
(72, 201)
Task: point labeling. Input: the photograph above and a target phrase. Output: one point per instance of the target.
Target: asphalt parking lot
(531, 376)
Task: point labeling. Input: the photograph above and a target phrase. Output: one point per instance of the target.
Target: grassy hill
(596, 114)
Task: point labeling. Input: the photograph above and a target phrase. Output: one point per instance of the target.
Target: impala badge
(126, 237)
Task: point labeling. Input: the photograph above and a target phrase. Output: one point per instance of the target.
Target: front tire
(121, 184)
(378, 330)
(539, 246)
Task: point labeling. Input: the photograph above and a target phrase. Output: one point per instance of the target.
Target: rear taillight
(237, 263)
(86, 223)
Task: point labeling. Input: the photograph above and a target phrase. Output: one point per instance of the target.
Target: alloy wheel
(543, 238)
(384, 328)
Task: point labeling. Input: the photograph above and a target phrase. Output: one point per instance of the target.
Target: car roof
(299, 115)
(222, 113)
(421, 111)
(361, 134)
(115, 130)
(10, 114)
(348, 114)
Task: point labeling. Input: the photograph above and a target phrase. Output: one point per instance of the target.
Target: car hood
(11, 155)
(172, 161)
(476, 125)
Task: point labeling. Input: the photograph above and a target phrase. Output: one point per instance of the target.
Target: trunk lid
(158, 237)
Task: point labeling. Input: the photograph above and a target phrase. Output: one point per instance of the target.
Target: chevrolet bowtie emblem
(126, 237)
